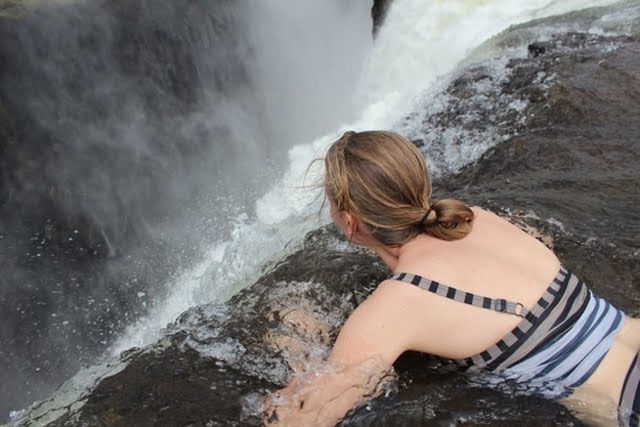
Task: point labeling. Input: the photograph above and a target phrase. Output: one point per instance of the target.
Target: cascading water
(295, 97)
(426, 42)
(145, 131)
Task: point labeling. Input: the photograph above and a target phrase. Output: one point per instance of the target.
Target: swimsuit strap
(501, 305)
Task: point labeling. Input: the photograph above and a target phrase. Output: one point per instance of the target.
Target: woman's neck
(388, 255)
(391, 255)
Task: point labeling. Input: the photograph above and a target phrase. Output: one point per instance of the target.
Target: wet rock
(426, 397)
(216, 361)
(558, 135)
(215, 356)
(572, 161)
(379, 11)
(537, 48)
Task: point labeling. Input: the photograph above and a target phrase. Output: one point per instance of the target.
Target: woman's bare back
(496, 260)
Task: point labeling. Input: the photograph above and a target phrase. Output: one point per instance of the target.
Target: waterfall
(426, 42)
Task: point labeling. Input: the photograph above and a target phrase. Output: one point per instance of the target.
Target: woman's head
(380, 178)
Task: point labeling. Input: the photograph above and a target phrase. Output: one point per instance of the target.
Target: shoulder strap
(501, 305)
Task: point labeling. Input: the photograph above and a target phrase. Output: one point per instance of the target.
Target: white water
(421, 42)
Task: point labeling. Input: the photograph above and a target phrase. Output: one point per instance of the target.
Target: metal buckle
(519, 310)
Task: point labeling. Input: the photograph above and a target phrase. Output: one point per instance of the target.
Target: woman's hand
(359, 367)
(323, 397)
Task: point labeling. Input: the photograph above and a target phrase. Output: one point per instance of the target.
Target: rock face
(216, 361)
(379, 11)
(127, 129)
(96, 100)
(214, 356)
(74, 79)
(564, 122)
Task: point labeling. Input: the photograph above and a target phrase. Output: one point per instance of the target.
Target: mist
(141, 131)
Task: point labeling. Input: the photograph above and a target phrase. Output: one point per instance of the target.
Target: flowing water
(427, 41)
(310, 83)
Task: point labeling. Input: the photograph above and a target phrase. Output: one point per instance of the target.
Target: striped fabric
(630, 396)
(501, 305)
(566, 362)
(556, 346)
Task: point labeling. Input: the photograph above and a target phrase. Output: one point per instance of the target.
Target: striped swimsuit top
(557, 345)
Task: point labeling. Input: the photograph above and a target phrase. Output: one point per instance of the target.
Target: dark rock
(572, 161)
(216, 361)
(73, 78)
(94, 156)
(379, 11)
(214, 356)
(537, 48)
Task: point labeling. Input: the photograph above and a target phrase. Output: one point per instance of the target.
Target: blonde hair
(381, 178)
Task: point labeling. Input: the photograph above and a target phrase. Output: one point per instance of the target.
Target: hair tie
(425, 217)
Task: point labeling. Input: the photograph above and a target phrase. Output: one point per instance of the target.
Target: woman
(467, 286)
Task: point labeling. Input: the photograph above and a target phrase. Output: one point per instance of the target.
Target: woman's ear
(352, 224)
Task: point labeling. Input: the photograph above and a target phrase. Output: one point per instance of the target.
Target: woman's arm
(360, 364)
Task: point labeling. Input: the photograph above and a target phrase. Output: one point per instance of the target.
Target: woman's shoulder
(487, 217)
(523, 245)
(485, 213)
